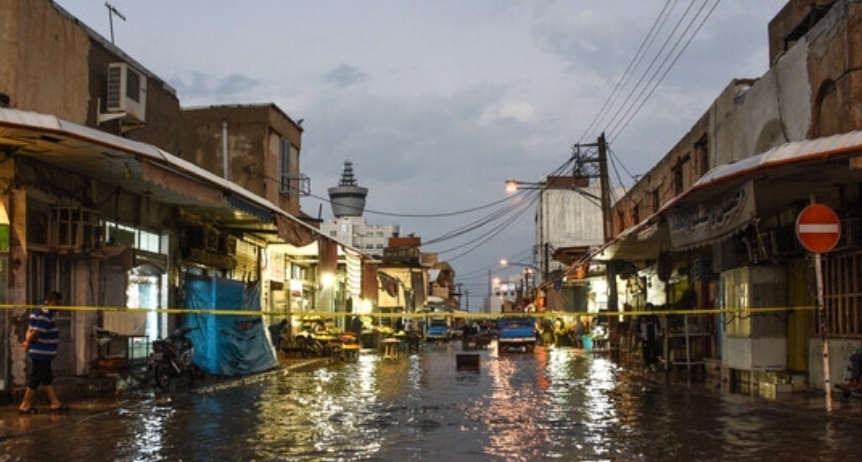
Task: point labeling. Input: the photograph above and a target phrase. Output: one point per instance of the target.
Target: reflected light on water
(550, 404)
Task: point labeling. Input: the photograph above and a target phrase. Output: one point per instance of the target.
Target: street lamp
(504, 263)
(513, 185)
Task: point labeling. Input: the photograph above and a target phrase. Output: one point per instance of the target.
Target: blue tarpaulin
(228, 345)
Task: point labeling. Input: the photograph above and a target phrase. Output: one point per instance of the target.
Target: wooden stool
(390, 348)
(350, 352)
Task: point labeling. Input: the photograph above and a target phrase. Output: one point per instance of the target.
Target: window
(291, 185)
(701, 150)
(679, 174)
(284, 165)
(843, 295)
(132, 237)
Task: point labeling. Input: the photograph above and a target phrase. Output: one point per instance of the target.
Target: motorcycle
(172, 358)
(308, 343)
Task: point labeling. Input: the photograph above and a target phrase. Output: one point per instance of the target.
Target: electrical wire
(661, 79)
(640, 87)
(657, 25)
(641, 92)
(427, 215)
(478, 224)
(486, 238)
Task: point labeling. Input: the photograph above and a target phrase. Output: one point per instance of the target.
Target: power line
(646, 84)
(639, 87)
(488, 237)
(636, 60)
(426, 215)
(676, 58)
(480, 223)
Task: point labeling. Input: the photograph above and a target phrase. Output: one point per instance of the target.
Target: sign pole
(818, 229)
(827, 381)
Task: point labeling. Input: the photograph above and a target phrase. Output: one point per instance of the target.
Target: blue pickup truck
(516, 333)
(438, 329)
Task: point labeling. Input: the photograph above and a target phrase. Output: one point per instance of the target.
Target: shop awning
(145, 169)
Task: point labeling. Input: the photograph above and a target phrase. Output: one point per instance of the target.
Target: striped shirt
(45, 344)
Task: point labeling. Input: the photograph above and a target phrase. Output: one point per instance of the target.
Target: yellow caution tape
(422, 315)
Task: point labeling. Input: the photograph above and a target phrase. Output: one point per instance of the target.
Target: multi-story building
(371, 239)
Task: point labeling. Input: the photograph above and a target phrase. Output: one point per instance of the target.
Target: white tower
(347, 199)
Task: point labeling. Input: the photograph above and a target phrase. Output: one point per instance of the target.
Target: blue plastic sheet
(228, 345)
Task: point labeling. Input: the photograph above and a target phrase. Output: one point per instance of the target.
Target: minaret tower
(347, 199)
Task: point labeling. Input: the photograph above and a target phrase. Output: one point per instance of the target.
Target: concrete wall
(835, 70)
(571, 219)
(254, 134)
(34, 40)
(812, 89)
(785, 21)
(53, 64)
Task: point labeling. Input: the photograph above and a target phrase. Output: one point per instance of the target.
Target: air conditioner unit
(127, 91)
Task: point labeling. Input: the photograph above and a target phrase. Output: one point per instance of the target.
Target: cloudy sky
(436, 103)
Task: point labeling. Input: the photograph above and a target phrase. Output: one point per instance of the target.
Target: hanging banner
(713, 218)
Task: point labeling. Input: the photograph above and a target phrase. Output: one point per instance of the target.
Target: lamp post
(528, 273)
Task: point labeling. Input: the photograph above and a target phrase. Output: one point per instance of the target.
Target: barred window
(842, 294)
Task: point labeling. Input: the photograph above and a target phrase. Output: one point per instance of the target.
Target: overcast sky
(436, 103)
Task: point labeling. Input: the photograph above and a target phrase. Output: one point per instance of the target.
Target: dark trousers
(650, 352)
(855, 366)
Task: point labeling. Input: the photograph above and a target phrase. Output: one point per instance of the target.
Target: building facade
(712, 226)
(132, 207)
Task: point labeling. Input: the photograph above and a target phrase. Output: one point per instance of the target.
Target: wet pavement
(551, 404)
(90, 396)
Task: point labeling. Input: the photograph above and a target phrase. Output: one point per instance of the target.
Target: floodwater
(551, 404)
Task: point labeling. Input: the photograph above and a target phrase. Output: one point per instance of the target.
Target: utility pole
(490, 292)
(604, 179)
(597, 167)
(590, 160)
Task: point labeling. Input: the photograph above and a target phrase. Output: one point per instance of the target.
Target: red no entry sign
(818, 228)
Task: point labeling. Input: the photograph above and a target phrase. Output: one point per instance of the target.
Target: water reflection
(554, 404)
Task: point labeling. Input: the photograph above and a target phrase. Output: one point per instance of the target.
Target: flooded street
(556, 404)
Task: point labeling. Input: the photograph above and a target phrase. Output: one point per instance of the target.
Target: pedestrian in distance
(578, 333)
(40, 343)
(856, 369)
(276, 333)
(356, 326)
(649, 332)
(559, 331)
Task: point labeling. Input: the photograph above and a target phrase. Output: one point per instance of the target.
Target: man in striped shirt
(40, 343)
